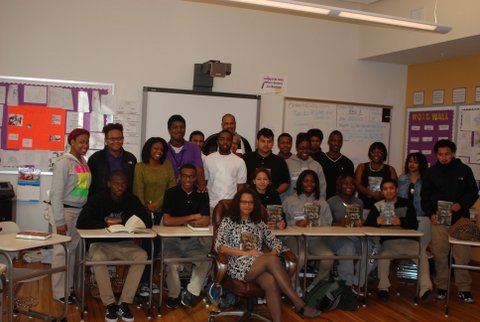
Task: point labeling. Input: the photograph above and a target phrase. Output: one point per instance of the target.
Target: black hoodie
(449, 182)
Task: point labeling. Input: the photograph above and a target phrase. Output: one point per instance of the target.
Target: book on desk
(33, 235)
(197, 228)
(134, 225)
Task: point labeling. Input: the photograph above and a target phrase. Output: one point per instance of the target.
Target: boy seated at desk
(184, 205)
(111, 207)
(397, 212)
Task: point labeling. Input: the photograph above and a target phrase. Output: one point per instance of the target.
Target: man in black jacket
(449, 180)
(115, 206)
(112, 157)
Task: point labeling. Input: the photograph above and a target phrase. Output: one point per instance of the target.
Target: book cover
(248, 241)
(312, 214)
(444, 214)
(133, 225)
(275, 213)
(34, 235)
(374, 183)
(352, 216)
(387, 211)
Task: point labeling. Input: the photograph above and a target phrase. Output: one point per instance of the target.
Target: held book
(374, 183)
(248, 241)
(33, 235)
(312, 214)
(275, 214)
(133, 225)
(197, 228)
(352, 215)
(387, 211)
(444, 214)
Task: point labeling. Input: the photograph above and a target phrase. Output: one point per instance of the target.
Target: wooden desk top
(10, 243)
(103, 233)
(289, 231)
(181, 231)
(455, 241)
(395, 232)
(332, 231)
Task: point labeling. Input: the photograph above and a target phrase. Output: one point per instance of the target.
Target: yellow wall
(444, 74)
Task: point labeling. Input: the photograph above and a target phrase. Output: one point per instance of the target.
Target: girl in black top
(266, 195)
(261, 185)
(369, 175)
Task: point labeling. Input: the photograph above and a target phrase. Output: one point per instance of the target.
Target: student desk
(9, 243)
(453, 242)
(102, 233)
(177, 231)
(394, 231)
(329, 231)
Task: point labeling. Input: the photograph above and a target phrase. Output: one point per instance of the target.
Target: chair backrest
(7, 227)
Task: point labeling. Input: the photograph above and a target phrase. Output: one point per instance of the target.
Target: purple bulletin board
(426, 125)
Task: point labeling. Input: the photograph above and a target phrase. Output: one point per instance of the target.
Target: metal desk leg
(447, 298)
(160, 297)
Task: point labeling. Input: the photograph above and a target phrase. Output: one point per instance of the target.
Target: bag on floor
(325, 296)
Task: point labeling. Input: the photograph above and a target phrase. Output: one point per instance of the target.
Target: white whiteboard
(202, 111)
(361, 125)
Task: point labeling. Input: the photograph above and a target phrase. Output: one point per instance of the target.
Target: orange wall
(444, 74)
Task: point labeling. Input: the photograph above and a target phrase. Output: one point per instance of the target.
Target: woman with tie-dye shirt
(68, 194)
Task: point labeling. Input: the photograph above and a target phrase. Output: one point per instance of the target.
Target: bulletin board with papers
(460, 124)
(468, 137)
(36, 116)
(427, 125)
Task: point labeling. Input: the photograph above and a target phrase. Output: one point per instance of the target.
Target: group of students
(178, 184)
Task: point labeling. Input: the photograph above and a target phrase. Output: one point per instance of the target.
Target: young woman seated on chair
(240, 236)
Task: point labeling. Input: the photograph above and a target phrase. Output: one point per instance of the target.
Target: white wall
(156, 43)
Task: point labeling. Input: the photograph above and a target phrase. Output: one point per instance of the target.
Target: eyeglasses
(120, 138)
(246, 202)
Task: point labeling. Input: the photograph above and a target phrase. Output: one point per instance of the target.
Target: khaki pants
(58, 279)
(186, 247)
(440, 248)
(402, 247)
(124, 250)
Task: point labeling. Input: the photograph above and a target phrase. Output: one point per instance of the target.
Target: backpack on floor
(325, 296)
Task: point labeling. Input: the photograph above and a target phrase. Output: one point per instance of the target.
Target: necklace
(373, 170)
(331, 159)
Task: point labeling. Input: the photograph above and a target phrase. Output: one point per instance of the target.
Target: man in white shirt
(225, 172)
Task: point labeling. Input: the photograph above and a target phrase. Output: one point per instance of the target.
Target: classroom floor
(399, 308)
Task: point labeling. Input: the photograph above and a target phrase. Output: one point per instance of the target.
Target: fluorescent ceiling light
(348, 14)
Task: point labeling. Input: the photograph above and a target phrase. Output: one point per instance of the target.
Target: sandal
(308, 312)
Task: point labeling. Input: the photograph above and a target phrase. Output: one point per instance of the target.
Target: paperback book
(197, 228)
(444, 214)
(312, 214)
(275, 213)
(352, 216)
(133, 225)
(374, 183)
(387, 211)
(248, 241)
(33, 235)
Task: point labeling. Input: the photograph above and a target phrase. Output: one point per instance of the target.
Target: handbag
(465, 229)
